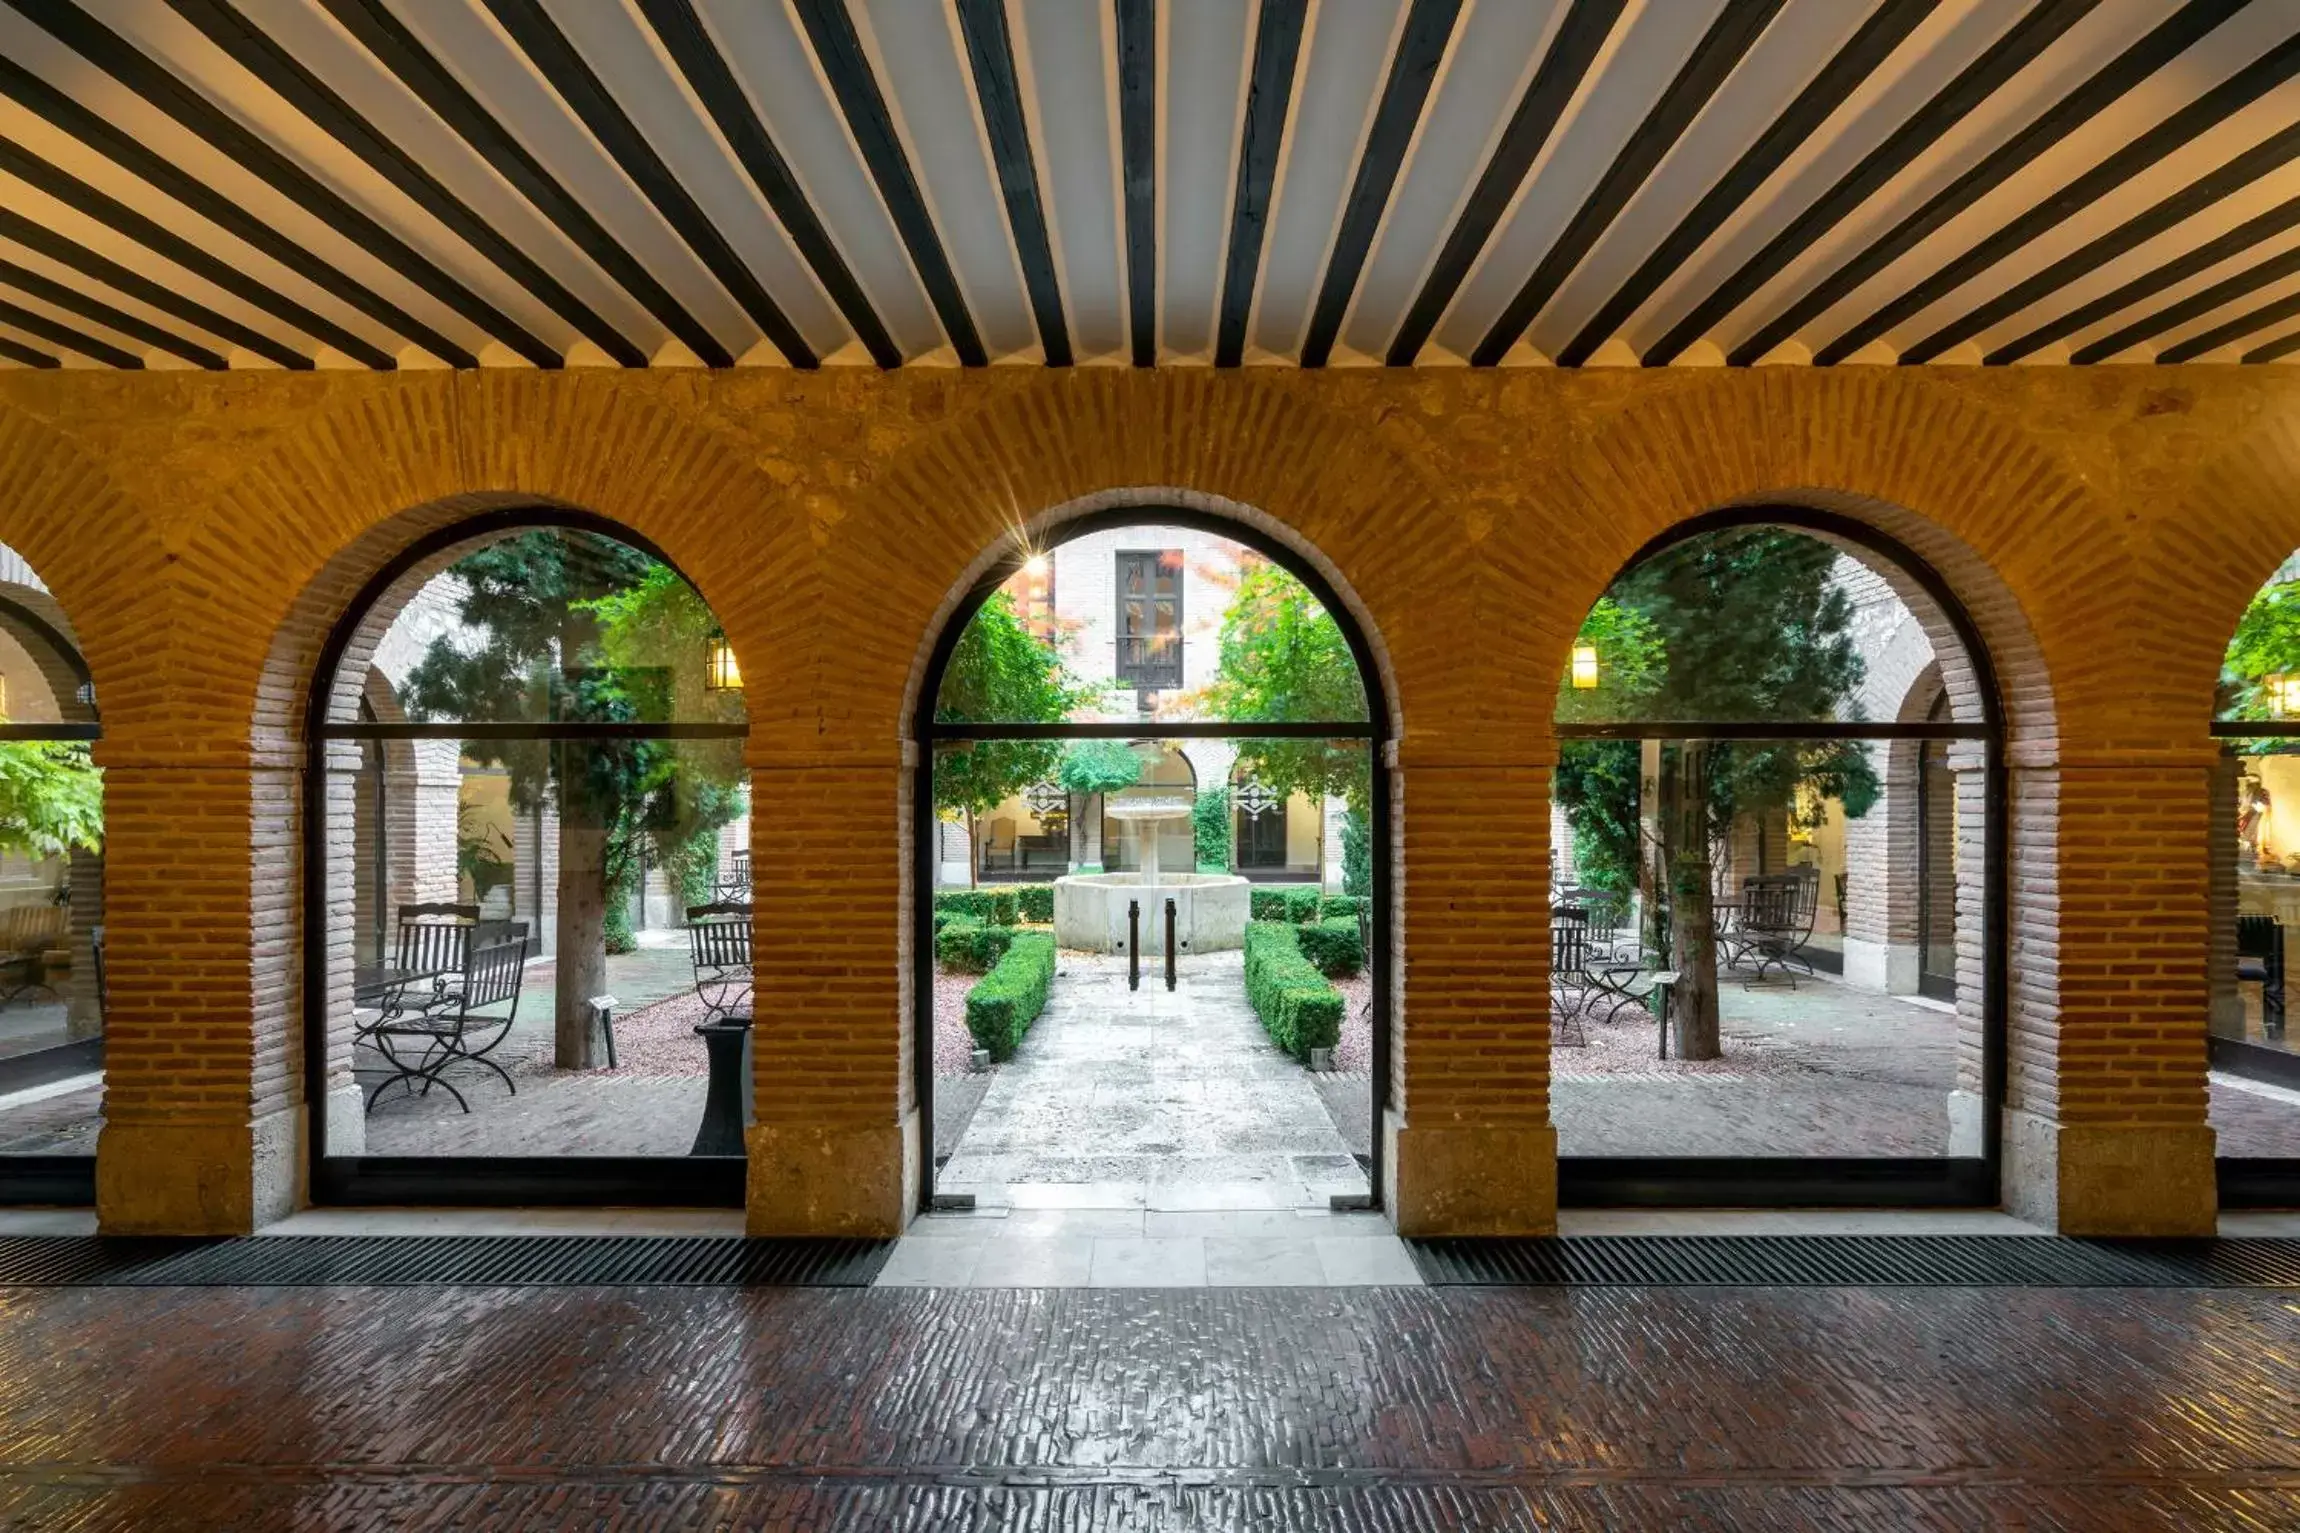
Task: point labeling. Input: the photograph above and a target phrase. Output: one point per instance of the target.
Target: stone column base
(199, 1178)
(809, 1179)
(1889, 967)
(1477, 1179)
(2106, 1179)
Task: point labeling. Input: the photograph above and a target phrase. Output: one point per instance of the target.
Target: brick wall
(2103, 526)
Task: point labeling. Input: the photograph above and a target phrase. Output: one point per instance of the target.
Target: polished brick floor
(1377, 1408)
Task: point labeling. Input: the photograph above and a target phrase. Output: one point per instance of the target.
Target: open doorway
(1151, 927)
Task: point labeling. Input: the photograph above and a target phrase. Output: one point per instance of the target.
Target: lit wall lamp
(1584, 667)
(2283, 691)
(720, 673)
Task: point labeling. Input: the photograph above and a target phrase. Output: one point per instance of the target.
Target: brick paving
(1368, 1409)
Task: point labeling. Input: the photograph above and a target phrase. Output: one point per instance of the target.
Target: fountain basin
(1209, 911)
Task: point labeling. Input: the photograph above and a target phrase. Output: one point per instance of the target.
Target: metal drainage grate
(534, 1261)
(1855, 1261)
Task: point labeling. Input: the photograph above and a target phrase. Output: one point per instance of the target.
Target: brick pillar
(203, 1104)
(2226, 1007)
(2105, 1124)
(1881, 876)
(1469, 1147)
(835, 1149)
(83, 996)
(1961, 842)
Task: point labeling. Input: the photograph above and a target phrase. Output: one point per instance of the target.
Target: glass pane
(1151, 623)
(51, 949)
(2255, 1079)
(487, 891)
(1071, 855)
(1751, 625)
(545, 626)
(1782, 885)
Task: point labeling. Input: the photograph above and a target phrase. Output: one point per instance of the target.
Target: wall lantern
(2283, 692)
(1584, 667)
(720, 673)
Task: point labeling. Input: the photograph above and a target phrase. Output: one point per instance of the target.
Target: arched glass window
(51, 901)
(534, 874)
(1107, 718)
(2254, 1052)
(1775, 968)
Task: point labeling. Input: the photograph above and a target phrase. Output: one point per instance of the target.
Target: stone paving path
(1147, 1099)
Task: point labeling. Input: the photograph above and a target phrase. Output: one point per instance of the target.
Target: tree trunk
(973, 854)
(582, 928)
(1652, 855)
(1692, 920)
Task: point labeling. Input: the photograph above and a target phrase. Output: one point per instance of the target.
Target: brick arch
(1048, 527)
(1926, 466)
(2238, 522)
(331, 502)
(925, 526)
(108, 594)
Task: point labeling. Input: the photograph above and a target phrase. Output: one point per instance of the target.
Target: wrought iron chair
(1775, 922)
(1616, 958)
(1569, 982)
(433, 941)
(461, 1026)
(735, 882)
(2260, 961)
(719, 935)
(28, 934)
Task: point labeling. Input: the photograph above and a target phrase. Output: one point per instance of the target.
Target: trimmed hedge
(966, 946)
(991, 907)
(1342, 905)
(1298, 903)
(1333, 946)
(1003, 906)
(1299, 1010)
(1001, 1008)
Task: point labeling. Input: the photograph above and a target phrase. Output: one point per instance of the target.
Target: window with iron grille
(1150, 619)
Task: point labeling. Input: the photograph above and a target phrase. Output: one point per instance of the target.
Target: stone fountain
(1209, 908)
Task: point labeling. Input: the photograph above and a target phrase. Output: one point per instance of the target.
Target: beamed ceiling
(885, 183)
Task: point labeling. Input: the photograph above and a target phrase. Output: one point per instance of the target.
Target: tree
(573, 627)
(1089, 770)
(2266, 643)
(999, 673)
(1737, 625)
(51, 798)
(1210, 829)
(1283, 660)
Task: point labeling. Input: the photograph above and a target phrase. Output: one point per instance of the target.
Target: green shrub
(1297, 903)
(1001, 1008)
(1266, 905)
(1302, 904)
(1338, 905)
(1210, 830)
(969, 947)
(1299, 1010)
(992, 907)
(1333, 946)
(1035, 903)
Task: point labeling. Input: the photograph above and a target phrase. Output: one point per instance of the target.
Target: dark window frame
(468, 1181)
(1838, 1181)
(1147, 675)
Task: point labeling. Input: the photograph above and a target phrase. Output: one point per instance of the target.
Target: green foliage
(1337, 905)
(1294, 903)
(1210, 829)
(1001, 1008)
(1631, 662)
(2267, 643)
(1357, 852)
(999, 673)
(990, 907)
(1299, 1009)
(1597, 784)
(1034, 902)
(51, 798)
(1098, 766)
(1333, 946)
(574, 627)
(1283, 659)
(966, 946)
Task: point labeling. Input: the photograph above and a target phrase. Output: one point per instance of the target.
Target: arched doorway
(1778, 970)
(526, 768)
(2254, 1051)
(1086, 712)
(52, 986)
